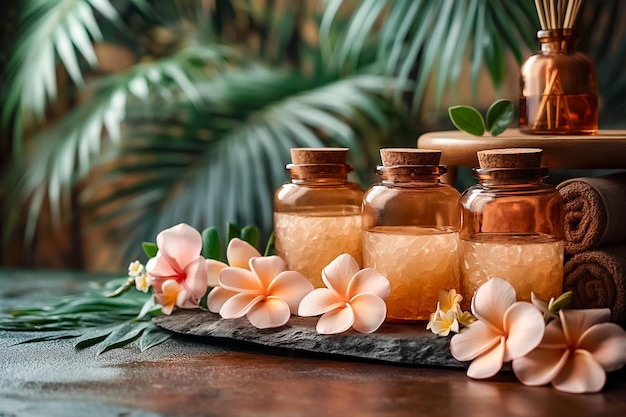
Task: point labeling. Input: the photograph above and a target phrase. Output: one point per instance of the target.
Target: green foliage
(114, 315)
(469, 119)
(499, 116)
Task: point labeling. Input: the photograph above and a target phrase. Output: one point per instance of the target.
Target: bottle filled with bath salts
(317, 214)
(410, 231)
(512, 226)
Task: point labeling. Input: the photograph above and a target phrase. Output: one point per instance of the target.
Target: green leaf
(561, 302)
(269, 247)
(150, 249)
(250, 234)
(467, 119)
(123, 335)
(211, 247)
(153, 336)
(232, 231)
(499, 116)
(93, 337)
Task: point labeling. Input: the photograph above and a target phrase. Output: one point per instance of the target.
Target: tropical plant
(197, 129)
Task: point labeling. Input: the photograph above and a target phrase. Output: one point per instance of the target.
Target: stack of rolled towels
(595, 242)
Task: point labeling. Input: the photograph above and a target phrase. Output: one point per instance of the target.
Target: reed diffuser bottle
(512, 226)
(410, 231)
(317, 214)
(559, 86)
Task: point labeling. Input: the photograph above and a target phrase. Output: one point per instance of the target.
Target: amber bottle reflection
(559, 88)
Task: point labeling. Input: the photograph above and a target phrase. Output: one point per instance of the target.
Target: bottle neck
(557, 40)
(411, 175)
(318, 174)
(510, 177)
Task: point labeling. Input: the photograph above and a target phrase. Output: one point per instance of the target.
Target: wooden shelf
(606, 150)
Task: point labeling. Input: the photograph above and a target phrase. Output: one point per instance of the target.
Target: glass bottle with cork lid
(317, 214)
(559, 87)
(410, 231)
(512, 226)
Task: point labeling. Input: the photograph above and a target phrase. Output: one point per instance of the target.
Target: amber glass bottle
(559, 88)
(410, 231)
(317, 214)
(512, 226)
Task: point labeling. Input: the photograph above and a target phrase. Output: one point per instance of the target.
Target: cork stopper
(409, 156)
(510, 158)
(319, 155)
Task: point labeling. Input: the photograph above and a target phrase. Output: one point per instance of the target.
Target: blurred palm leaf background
(124, 117)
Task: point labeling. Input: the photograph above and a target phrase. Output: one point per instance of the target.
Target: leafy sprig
(469, 119)
(114, 314)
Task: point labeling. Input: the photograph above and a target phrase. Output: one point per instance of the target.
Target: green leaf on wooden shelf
(467, 119)
(499, 115)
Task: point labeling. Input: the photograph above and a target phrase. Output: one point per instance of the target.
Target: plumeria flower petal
(575, 353)
(506, 329)
(369, 312)
(273, 312)
(178, 259)
(265, 292)
(238, 253)
(335, 321)
(449, 300)
(169, 295)
(353, 298)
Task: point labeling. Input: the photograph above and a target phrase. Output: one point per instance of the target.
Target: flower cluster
(573, 351)
(260, 287)
(449, 317)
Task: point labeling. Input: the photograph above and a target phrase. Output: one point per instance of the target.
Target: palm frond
(228, 170)
(52, 29)
(419, 41)
(66, 152)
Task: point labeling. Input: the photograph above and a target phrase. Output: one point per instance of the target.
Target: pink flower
(178, 261)
(575, 352)
(504, 330)
(353, 298)
(267, 293)
(238, 253)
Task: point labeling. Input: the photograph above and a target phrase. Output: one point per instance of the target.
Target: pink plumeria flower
(178, 261)
(575, 352)
(505, 329)
(353, 298)
(239, 252)
(267, 293)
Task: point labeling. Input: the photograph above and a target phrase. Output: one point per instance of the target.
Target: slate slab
(408, 344)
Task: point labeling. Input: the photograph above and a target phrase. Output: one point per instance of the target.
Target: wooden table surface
(201, 377)
(606, 150)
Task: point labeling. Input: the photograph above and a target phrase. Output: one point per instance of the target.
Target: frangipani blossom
(442, 323)
(267, 293)
(575, 352)
(137, 272)
(178, 261)
(239, 252)
(505, 329)
(449, 317)
(353, 298)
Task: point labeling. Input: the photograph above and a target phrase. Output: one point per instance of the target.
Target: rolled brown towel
(594, 212)
(598, 279)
